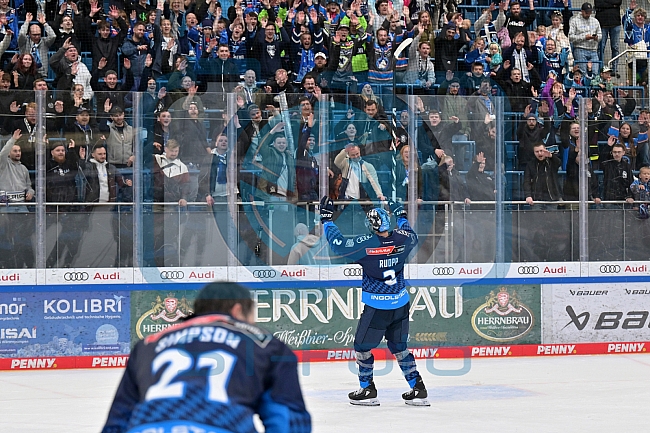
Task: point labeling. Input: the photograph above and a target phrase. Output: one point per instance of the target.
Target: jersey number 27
(219, 363)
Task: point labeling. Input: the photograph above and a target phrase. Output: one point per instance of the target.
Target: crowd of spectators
(282, 59)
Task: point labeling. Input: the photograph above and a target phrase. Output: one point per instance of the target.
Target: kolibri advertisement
(64, 324)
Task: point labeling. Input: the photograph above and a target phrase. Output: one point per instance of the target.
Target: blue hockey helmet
(377, 220)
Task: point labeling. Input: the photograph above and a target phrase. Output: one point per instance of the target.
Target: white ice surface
(609, 393)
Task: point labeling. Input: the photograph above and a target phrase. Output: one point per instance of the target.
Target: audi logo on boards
(264, 273)
(172, 275)
(76, 276)
(610, 269)
(352, 272)
(528, 270)
(441, 270)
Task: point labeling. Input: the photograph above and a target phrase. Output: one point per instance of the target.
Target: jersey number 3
(391, 280)
(218, 362)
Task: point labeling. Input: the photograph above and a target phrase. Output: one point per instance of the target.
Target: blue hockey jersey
(211, 373)
(382, 260)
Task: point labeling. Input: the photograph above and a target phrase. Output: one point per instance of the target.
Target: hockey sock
(366, 363)
(406, 363)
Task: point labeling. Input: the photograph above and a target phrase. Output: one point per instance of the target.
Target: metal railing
(633, 61)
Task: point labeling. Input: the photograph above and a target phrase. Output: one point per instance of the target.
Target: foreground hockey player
(211, 373)
(382, 256)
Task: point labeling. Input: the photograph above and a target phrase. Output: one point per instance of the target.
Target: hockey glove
(326, 209)
(396, 209)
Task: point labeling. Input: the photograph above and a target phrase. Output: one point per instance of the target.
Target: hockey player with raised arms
(211, 373)
(382, 255)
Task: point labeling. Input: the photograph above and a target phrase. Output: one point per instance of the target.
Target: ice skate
(417, 396)
(365, 396)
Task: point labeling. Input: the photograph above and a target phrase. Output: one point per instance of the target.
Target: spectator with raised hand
(135, 48)
(484, 26)
(608, 114)
(17, 188)
(61, 187)
(69, 69)
(105, 45)
(24, 72)
(188, 128)
(35, 43)
(9, 21)
(637, 37)
(515, 21)
(274, 86)
(529, 133)
(572, 181)
(420, 69)
(519, 92)
(181, 70)
(267, 48)
(521, 57)
(303, 50)
(278, 177)
(585, 35)
(480, 184)
(110, 93)
(541, 178)
(631, 140)
(75, 27)
(81, 131)
(169, 47)
(405, 178)
(447, 46)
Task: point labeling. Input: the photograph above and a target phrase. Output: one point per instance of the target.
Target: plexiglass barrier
(225, 179)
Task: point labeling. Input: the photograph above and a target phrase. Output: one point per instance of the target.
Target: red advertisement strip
(68, 362)
(63, 362)
(483, 351)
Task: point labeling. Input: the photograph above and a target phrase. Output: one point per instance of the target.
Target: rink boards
(90, 318)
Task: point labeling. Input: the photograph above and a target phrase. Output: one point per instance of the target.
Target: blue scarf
(306, 63)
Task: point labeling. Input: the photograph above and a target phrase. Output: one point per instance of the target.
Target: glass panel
(88, 181)
(18, 165)
(455, 142)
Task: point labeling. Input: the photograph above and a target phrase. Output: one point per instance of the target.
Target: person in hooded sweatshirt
(15, 187)
(309, 249)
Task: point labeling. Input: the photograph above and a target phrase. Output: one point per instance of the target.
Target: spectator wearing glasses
(617, 173)
(34, 43)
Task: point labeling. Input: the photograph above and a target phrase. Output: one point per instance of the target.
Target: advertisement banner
(315, 318)
(64, 324)
(155, 310)
(614, 312)
(70, 276)
(17, 277)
